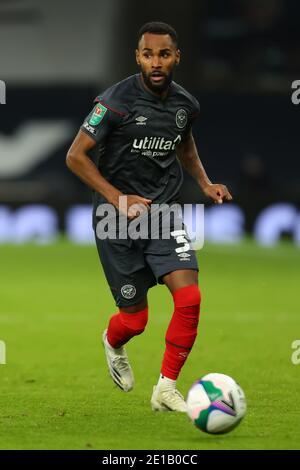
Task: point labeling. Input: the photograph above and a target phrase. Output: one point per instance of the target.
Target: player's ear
(137, 57)
(177, 57)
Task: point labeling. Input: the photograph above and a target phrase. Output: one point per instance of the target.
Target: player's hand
(135, 206)
(217, 192)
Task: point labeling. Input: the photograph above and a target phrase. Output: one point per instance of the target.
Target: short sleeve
(101, 121)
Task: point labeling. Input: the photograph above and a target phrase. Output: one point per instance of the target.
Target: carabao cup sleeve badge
(98, 114)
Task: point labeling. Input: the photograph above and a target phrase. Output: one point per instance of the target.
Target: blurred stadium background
(240, 58)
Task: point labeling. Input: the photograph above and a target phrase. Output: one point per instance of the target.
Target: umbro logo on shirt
(141, 121)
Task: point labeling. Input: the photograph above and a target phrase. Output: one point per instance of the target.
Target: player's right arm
(81, 164)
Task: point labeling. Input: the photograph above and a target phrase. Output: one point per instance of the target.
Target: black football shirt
(137, 134)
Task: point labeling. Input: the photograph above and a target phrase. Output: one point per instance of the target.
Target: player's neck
(161, 95)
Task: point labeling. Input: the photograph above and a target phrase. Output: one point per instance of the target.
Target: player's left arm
(189, 158)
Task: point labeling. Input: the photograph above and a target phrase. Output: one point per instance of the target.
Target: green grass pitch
(55, 392)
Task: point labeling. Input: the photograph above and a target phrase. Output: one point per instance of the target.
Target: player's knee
(136, 322)
(188, 297)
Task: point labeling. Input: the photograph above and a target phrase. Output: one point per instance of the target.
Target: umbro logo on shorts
(184, 256)
(128, 291)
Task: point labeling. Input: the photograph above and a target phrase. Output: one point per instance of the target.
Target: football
(216, 404)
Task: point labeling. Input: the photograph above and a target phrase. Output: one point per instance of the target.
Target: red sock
(182, 330)
(123, 326)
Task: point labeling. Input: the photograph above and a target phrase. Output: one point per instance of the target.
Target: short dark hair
(158, 27)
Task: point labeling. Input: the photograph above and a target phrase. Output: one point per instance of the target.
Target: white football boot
(118, 365)
(167, 399)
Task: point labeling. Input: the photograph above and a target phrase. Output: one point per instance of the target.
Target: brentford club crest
(128, 291)
(181, 118)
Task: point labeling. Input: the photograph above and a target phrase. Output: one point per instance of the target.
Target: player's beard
(157, 87)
